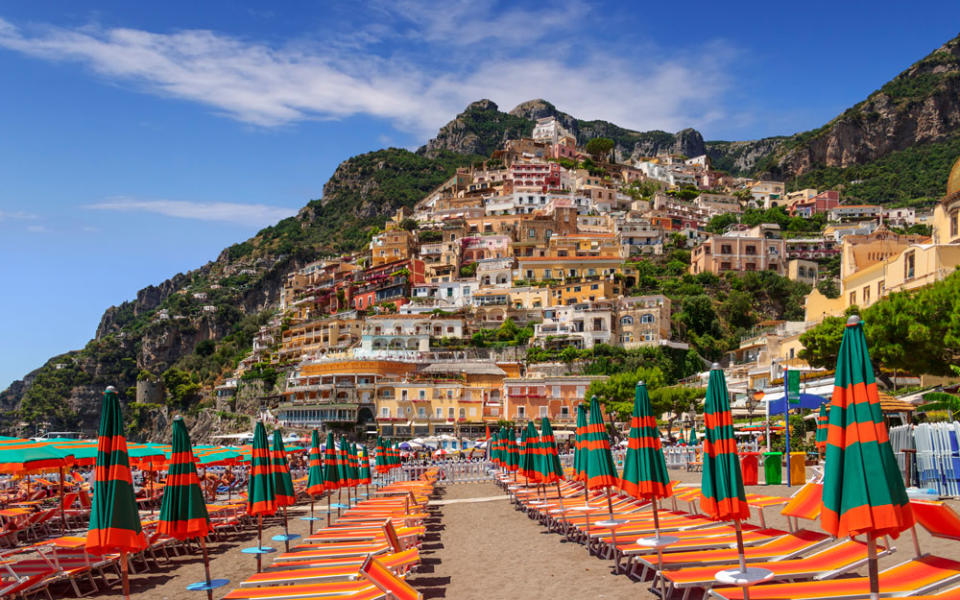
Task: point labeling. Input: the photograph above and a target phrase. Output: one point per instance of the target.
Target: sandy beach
(477, 547)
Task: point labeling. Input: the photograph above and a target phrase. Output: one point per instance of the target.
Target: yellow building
(548, 268)
(319, 337)
(584, 291)
(876, 265)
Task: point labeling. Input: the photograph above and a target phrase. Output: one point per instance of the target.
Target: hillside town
(541, 247)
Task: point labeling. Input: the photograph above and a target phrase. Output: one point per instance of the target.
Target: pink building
(821, 203)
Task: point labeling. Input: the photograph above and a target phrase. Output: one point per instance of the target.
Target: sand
(477, 547)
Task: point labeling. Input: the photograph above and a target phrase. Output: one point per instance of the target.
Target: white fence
(450, 471)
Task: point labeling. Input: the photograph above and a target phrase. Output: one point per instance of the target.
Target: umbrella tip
(110, 388)
(639, 383)
(178, 418)
(715, 367)
(853, 320)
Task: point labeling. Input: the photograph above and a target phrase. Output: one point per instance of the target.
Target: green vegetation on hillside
(915, 176)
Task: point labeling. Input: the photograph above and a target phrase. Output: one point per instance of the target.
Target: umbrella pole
(259, 539)
(150, 474)
(339, 500)
(206, 567)
(656, 532)
(743, 559)
(286, 532)
(125, 575)
(311, 514)
(613, 535)
(63, 520)
(872, 567)
(563, 513)
(329, 507)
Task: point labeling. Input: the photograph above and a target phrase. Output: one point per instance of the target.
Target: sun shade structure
(863, 491)
(114, 520)
(364, 458)
(261, 489)
(283, 482)
(601, 470)
(380, 461)
(822, 422)
(645, 473)
(722, 497)
(693, 436)
(579, 470)
(315, 485)
(528, 454)
(551, 471)
(183, 513)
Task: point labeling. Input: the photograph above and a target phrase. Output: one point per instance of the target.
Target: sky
(138, 142)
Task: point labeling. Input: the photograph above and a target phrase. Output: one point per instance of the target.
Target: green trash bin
(772, 469)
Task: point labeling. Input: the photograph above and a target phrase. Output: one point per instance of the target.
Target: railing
(450, 471)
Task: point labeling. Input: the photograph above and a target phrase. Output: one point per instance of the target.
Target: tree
(617, 392)
(408, 224)
(182, 388)
(821, 344)
(698, 315)
(598, 148)
(738, 310)
(720, 223)
(829, 288)
(205, 348)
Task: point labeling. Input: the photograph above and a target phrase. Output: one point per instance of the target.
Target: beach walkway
(485, 549)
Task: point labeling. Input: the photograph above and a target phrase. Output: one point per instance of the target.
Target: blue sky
(138, 143)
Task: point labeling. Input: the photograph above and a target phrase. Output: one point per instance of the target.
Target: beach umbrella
(365, 477)
(822, 422)
(283, 482)
(183, 512)
(551, 471)
(531, 459)
(863, 491)
(261, 487)
(380, 460)
(645, 473)
(721, 490)
(598, 460)
(693, 435)
(114, 519)
(579, 468)
(315, 483)
(331, 475)
(513, 453)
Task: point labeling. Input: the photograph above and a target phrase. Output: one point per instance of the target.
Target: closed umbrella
(261, 487)
(380, 461)
(820, 441)
(365, 476)
(601, 471)
(645, 473)
(722, 497)
(286, 496)
(331, 475)
(863, 491)
(315, 483)
(693, 435)
(183, 512)
(114, 519)
(550, 469)
(579, 468)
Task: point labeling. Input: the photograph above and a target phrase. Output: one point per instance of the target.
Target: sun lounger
(399, 562)
(918, 576)
(377, 573)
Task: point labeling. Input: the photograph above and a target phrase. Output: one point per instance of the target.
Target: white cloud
(438, 62)
(17, 215)
(37, 229)
(259, 215)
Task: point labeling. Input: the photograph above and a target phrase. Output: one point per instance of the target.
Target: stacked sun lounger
(365, 554)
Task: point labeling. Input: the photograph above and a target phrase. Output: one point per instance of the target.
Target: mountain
(895, 146)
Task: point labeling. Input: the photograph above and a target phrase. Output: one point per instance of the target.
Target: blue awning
(809, 401)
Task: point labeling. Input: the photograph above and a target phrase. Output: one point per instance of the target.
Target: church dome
(953, 182)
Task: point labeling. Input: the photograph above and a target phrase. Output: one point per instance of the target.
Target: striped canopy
(381, 458)
(114, 520)
(551, 470)
(529, 463)
(721, 491)
(693, 435)
(315, 485)
(353, 463)
(644, 468)
(262, 487)
(331, 475)
(601, 470)
(822, 421)
(364, 457)
(579, 469)
(863, 490)
(283, 482)
(183, 512)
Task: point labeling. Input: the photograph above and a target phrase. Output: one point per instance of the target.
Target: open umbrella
(863, 491)
(315, 486)
(114, 519)
(183, 512)
(579, 469)
(286, 496)
(645, 473)
(722, 497)
(261, 488)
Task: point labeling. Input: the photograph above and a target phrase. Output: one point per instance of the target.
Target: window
(422, 412)
(543, 411)
(473, 411)
(880, 288)
(521, 412)
(954, 222)
(409, 410)
(385, 412)
(751, 250)
(646, 319)
(423, 394)
(547, 274)
(866, 295)
(628, 320)
(532, 233)
(463, 413)
(564, 412)
(853, 298)
(450, 412)
(439, 412)
(909, 262)
(581, 391)
(555, 391)
(724, 266)
(726, 249)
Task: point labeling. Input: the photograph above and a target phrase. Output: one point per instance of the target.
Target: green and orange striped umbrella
(365, 477)
(114, 519)
(822, 426)
(283, 482)
(394, 454)
(529, 464)
(863, 490)
(579, 469)
(262, 487)
(183, 512)
(353, 463)
(315, 485)
(722, 496)
(513, 451)
(331, 475)
(551, 471)
(645, 473)
(601, 469)
(380, 460)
